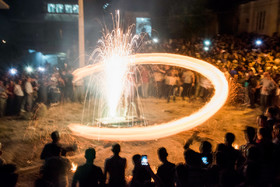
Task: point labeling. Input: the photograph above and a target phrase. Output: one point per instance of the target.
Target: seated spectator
(166, 171)
(89, 174)
(232, 154)
(115, 167)
(8, 175)
(252, 168)
(49, 149)
(54, 171)
(276, 153)
(271, 113)
(212, 176)
(190, 173)
(141, 177)
(2, 161)
(250, 135)
(276, 134)
(261, 121)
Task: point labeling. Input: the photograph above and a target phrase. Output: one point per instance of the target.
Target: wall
(259, 16)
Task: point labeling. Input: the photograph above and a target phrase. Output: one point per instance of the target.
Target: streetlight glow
(207, 42)
(13, 71)
(41, 69)
(29, 69)
(258, 42)
(155, 40)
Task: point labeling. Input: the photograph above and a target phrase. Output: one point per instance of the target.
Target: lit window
(51, 8)
(59, 8)
(76, 9)
(68, 9)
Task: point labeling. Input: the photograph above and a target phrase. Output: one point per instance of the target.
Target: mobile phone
(144, 160)
(205, 160)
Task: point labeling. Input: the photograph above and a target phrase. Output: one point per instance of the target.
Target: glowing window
(76, 9)
(51, 8)
(59, 8)
(68, 9)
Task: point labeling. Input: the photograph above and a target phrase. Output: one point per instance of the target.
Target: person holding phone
(141, 176)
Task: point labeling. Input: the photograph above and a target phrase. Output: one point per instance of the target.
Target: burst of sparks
(216, 77)
(112, 50)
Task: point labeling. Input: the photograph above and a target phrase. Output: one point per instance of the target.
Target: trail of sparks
(165, 129)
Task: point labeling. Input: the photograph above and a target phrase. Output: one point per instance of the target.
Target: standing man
(145, 80)
(19, 95)
(252, 84)
(267, 85)
(89, 174)
(158, 77)
(166, 171)
(188, 82)
(29, 94)
(115, 167)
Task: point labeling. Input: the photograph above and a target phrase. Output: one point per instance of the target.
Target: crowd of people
(256, 163)
(253, 70)
(20, 92)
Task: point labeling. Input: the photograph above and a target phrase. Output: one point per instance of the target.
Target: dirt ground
(23, 140)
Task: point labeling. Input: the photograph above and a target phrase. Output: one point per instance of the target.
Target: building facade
(260, 16)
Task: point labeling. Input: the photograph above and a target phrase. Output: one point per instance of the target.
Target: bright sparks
(113, 49)
(216, 77)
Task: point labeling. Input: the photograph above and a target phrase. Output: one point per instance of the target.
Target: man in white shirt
(267, 86)
(29, 94)
(188, 82)
(19, 95)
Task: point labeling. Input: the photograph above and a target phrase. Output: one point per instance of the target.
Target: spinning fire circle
(216, 77)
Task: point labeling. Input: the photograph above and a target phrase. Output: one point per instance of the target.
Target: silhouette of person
(166, 171)
(141, 177)
(115, 167)
(8, 175)
(89, 174)
(50, 149)
(54, 172)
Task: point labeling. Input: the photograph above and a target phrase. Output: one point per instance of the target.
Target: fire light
(216, 77)
(74, 167)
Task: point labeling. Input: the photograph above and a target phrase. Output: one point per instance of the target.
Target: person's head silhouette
(162, 154)
(116, 149)
(90, 154)
(55, 136)
(229, 138)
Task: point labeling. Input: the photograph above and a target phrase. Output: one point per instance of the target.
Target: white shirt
(18, 90)
(171, 80)
(28, 88)
(188, 77)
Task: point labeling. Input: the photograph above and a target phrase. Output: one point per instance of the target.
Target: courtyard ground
(23, 140)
